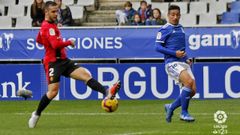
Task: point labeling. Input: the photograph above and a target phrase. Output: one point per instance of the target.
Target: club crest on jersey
(52, 32)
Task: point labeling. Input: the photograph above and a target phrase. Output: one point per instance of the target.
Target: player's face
(52, 13)
(174, 16)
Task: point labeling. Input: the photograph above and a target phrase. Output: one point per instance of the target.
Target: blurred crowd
(37, 13)
(144, 15)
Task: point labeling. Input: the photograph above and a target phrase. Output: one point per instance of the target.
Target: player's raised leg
(187, 93)
(82, 74)
(45, 100)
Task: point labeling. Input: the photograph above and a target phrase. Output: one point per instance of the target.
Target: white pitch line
(138, 133)
(154, 132)
(126, 113)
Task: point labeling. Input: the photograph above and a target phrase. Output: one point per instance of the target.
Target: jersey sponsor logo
(52, 32)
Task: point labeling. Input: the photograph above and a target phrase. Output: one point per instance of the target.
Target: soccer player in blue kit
(170, 41)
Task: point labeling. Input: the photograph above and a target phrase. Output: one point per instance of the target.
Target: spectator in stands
(145, 11)
(64, 14)
(37, 12)
(137, 20)
(125, 16)
(156, 18)
(1, 12)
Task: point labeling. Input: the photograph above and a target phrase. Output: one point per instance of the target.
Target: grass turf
(133, 117)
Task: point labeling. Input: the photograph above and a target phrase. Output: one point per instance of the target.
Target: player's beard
(53, 19)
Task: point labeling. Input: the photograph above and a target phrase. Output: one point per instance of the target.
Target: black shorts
(54, 70)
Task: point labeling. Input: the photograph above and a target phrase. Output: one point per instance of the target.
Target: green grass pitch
(133, 117)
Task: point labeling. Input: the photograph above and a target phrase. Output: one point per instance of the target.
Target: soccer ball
(24, 93)
(110, 105)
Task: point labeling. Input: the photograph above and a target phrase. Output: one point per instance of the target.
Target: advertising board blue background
(139, 81)
(121, 43)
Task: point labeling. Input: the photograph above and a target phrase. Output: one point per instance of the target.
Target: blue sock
(185, 98)
(176, 103)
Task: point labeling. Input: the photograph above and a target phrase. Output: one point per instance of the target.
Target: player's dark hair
(173, 7)
(49, 3)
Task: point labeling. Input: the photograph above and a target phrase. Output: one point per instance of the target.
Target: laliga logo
(220, 117)
(5, 41)
(235, 39)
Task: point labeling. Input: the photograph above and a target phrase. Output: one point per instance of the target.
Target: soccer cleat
(169, 113)
(187, 117)
(113, 90)
(33, 120)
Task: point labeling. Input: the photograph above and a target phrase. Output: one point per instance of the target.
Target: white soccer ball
(24, 93)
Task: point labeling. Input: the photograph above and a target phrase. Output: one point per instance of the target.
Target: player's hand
(180, 54)
(72, 42)
(189, 62)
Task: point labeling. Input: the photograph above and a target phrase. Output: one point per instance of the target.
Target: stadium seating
(2, 10)
(235, 7)
(16, 10)
(28, 11)
(208, 19)
(188, 19)
(217, 7)
(68, 2)
(198, 7)
(25, 2)
(135, 5)
(227, 1)
(230, 18)
(77, 12)
(85, 2)
(6, 22)
(7, 2)
(23, 22)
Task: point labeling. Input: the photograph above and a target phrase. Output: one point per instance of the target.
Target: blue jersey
(171, 38)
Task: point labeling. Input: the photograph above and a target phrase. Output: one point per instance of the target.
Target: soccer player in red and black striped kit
(57, 64)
